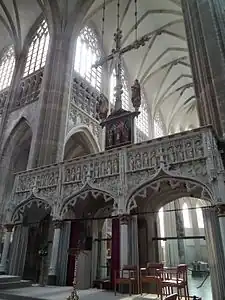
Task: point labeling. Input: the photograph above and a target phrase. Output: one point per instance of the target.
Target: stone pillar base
(51, 279)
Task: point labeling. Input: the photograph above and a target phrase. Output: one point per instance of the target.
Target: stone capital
(124, 219)
(221, 210)
(57, 224)
(9, 227)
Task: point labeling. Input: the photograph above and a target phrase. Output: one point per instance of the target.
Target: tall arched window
(7, 64)
(199, 216)
(158, 129)
(87, 53)
(37, 52)
(125, 95)
(142, 121)
(186, 217)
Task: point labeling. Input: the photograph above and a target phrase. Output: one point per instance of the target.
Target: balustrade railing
(29, 89)
(175, 149)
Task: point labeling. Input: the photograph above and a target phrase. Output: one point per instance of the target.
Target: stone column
(221, 215)
(123, 240)
(55, 250)
(5, 252)
(215, 252)
(204, 22)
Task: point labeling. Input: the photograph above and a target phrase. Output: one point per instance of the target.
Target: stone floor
(60, 293)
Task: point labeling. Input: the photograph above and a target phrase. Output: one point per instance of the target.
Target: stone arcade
(61, 182)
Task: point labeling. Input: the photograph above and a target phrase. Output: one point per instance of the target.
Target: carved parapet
(29, 89)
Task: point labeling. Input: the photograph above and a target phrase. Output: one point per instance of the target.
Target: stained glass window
(7, 64)
(38, 49)
(87, 53)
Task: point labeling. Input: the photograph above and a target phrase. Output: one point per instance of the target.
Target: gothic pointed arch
(87, 201)
(155, 193)
(15, 156)
(79, 142)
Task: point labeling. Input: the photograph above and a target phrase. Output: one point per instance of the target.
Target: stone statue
(136, 95)
(102, 107)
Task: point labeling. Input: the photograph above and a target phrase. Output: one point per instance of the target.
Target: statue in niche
(96, 170)
(171, 155)
(115, 166)
(131, 163)
(145, 160)
(138, 161)
(78, 173)
(180, 154)
(199, 148)
(153, 159)
(109, 167)
(136, 95)
(189, 150)
(73, 174)
(67, 177)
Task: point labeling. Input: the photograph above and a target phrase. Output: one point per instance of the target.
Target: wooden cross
(116, 55)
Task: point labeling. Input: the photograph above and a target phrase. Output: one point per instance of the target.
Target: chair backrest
(129, 271)
(182, 272)
(171, 297)
(153, 267)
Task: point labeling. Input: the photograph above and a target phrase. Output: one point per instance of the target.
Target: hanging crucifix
(120, 123)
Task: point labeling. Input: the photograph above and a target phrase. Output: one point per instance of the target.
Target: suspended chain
(118, 14)
(103, 23)
(136, 20)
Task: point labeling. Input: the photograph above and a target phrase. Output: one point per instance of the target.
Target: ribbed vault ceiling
(162, 65)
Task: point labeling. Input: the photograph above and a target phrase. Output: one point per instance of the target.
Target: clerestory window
(7, 64)
(38, 49)
(87, 53)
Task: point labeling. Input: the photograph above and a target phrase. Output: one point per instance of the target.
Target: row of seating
(165, 280)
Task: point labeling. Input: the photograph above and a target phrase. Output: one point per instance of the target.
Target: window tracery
(7, 64)
(142, 120)
(87, 53)
(158, 128)
(186, 216)
(38, 49)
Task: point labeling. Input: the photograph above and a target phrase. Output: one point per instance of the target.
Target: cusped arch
(18, 212)
(178, 187)
(87, 136)
(82, 195)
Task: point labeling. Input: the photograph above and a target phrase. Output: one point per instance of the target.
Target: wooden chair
(176, 278)
(171, 297)
(127, 275)
(151, 275)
